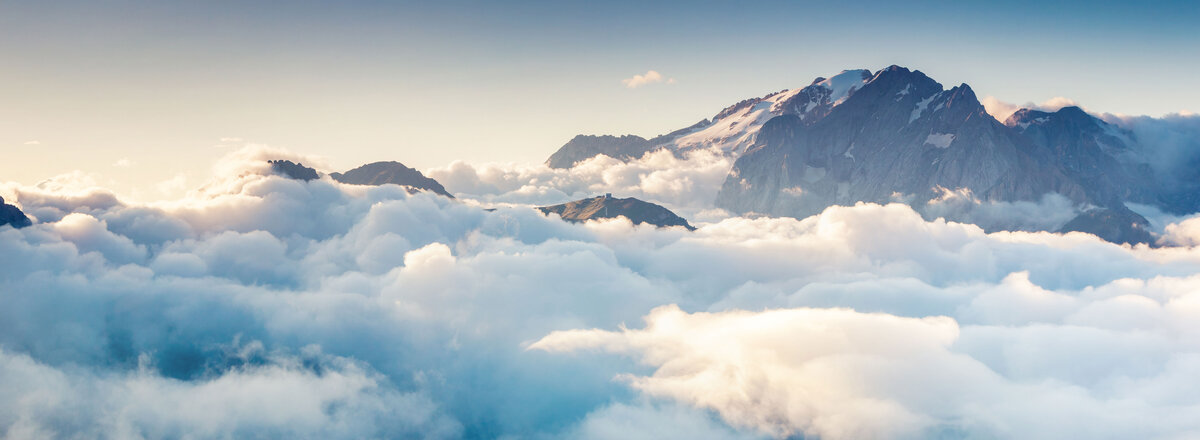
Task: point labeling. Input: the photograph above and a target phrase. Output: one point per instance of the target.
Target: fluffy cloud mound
(841, 374)
(258, 306)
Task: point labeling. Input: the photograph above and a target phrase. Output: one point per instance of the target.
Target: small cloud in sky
(32, 143)
(123, 163)
(1002, 110)
(229, 142)
(650, 77)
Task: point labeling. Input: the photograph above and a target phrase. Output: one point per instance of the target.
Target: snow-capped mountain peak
(840, 86)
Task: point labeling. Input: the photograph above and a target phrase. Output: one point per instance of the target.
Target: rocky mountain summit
(607, 206)
(11, 215)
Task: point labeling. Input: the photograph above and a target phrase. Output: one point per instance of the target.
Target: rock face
(380, 173)
(1118, 225)
(606, 206)
(901, 136)
(293, 170)
(1095, 154)
(11, 215)
(586, 147)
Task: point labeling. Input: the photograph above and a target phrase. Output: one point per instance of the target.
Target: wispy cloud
(32, 143)
(123, 163)
(650, 77)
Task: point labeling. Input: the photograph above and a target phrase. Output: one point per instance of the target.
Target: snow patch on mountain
(920, 110)
(940, 140)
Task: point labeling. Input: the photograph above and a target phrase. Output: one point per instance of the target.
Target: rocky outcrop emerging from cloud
(293, 170)
(606, 206)
(381, 173)
(898, 135)
(12, 216)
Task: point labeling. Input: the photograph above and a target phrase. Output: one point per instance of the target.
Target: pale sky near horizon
(138, 93)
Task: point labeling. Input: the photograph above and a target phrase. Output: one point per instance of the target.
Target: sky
(144, 96)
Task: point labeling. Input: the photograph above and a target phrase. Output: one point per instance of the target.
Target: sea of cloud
(259, 306)
(687, 185)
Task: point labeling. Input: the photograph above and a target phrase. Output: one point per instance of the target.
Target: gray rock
(606, 206)
(1118, 225)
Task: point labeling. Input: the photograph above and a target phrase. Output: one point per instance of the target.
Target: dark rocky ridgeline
(606, 206)
(625, 148)
(584, 147)
(293, 170)
(381, 173)
(11, 215)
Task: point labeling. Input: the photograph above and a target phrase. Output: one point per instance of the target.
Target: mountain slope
(606, 206)
(380, 173)
(1097, 155)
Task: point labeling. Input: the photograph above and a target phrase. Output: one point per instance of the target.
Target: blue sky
(158, 84)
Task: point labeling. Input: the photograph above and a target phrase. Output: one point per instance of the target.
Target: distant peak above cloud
(1002, 110)
(650, 77)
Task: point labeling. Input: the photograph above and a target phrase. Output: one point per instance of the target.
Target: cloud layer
(261, 306)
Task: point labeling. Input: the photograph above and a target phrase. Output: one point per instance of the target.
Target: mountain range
(896, 135)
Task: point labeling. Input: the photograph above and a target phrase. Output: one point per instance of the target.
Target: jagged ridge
(606, 206)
